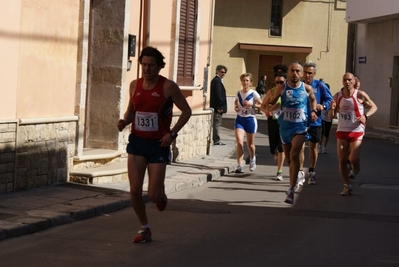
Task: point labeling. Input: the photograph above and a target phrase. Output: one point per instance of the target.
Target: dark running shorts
(148, 148)
(315, 134)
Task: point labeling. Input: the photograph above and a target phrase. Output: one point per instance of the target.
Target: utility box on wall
(132, 46)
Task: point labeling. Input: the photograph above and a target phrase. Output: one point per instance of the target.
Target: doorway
(266, 63)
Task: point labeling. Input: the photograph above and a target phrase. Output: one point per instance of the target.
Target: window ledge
(191, 88)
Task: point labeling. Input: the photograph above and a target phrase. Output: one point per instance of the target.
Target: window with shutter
(276, 24)
(187, 41)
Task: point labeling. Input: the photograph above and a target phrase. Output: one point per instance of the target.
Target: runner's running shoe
(239, 169)
(290, 197)
(347, 190)
(143, 236)
(300, 180)
(279, 176)
(252, 164)
(312, 178)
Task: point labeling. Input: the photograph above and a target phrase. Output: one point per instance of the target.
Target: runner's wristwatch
(174, 135)
(367, 116)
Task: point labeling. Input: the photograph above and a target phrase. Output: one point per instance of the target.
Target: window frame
(276, 16)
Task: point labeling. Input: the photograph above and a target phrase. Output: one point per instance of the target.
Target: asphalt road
(242, 220)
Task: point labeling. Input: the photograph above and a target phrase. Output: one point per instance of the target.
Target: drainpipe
(206, 77)
(139, 36)
(206, 70)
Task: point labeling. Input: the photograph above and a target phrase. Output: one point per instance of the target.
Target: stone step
(94, 158)
(111, 173)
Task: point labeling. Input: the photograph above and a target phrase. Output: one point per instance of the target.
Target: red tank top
(152, 111)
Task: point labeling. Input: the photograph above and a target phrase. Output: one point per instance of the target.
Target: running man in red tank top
(150, 113)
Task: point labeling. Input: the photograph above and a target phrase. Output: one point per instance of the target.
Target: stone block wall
(195, 138)
(7, 155)
(37, 154)
(45, 153)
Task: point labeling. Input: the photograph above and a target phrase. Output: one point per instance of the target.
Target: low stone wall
(34, 153)
(38, 152)
(195, 138)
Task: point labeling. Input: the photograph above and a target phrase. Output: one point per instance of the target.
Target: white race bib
(346, 116)
(294, 115)
(146, 121)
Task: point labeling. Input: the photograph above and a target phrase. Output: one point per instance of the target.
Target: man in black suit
(218, 102)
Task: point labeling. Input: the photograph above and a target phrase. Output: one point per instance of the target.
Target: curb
(85, 204)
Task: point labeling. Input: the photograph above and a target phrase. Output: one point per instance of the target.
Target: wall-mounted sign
(362, 60)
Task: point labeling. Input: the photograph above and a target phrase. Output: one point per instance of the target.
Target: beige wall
(305, 23)
(374, 74)
(163, 36)
(9, 43)
(361, 10)
(47, 58)
(62, 93)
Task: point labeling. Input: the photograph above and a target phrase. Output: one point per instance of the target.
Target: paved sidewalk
(33, 210)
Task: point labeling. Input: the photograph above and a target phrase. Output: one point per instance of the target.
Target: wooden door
(266, 63)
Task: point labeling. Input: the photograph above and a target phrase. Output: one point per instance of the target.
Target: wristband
(315, 111)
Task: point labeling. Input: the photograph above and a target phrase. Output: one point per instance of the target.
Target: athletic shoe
(300, 180)
(290, 197)
(351, 175)
(161, 206)
(239, 169)
(144, 235)
(279, 176)
(320, 149)
(347, 190)
(323, 150)
(312, 178)
(218, 143)
(276, 158)
(252, 164)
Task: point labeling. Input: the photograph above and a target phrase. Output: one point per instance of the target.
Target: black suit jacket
(218, 95)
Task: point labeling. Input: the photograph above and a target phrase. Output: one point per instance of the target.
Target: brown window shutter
(187, 37)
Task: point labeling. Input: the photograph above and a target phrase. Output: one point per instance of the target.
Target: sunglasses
(279, 82)
(223, 72)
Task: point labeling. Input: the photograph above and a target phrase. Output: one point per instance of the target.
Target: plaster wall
(305, 23)
(374, 74)
(47, 58)
(9, 42)
(358, 10)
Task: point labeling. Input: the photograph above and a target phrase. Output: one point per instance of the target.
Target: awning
(277, 48)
